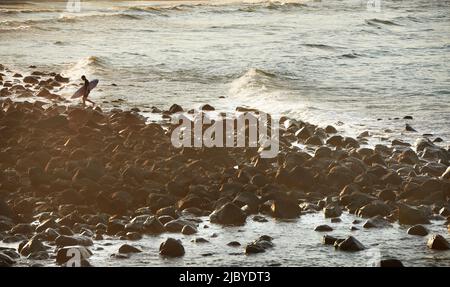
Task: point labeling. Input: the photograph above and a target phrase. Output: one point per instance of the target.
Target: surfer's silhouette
(85, 90)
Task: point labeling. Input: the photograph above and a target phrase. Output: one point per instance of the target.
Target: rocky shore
(73, 175)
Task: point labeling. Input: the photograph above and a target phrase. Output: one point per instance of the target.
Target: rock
(188, 230)
(409, 128)
(128, 249)
(154, 226)
(30, 80)
(390, 263)
(64, 240)
(233, 244)
(332, 211)
(199, 240)
(410, 215)
(228, 214)
(5, 210)
(32, 246)
(285, 209)
(207, 107)
(328, 240)
(408, 117)
(418, 230)
(438, 242)
(171, 248)
(444, 211)
(314, 140)
(175, 109)
(350, 244)
(324, 227)
(330, 129)
(260, 245)
(376, 222)
(258, 218)
(5, 260)
(61, 79)
(64, 254)
(177, 225)
(446, 174)
(387, 195)
(374, 208)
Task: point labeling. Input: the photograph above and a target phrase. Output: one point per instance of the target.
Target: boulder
(228, 214)
(332, 210)
(329, 240)
(390, 263)
(125, 249)
(418, 230)
(5, 260)
(438, 242)
(324, 227)
(34, 245)
(285, 209)
(64, 240)
(410, 215)
(259, 246)
(373, 209)
(188, 230)
(350, 244)
(376, 222)
(153, 226)
(171, 248)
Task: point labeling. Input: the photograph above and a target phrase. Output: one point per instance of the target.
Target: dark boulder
(438, 242)
(350, 244)
(64, 240)
(285, 209)
(418, 230)
(171, 248)
(410, 215)
(128, 249)
(322, 228)
(228, 214)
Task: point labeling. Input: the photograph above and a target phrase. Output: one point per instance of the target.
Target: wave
(320, 46)
(376, 21)
(29, 11)
(253, 81)
(87, 66)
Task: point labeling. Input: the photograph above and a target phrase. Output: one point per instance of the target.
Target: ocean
(326, 62)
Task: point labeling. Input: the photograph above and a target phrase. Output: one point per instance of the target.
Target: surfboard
(80, 92)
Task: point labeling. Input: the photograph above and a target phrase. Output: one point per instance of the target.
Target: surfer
(86, 91)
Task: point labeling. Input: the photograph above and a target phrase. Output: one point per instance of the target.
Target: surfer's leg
(90, 101)
(84, 101)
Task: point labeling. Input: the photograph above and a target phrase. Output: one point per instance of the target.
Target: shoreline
(73, 176)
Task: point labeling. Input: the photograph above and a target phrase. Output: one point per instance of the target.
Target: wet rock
(64, 254)
(418, 230)
(330, 129)
(350, 244)
(376, 222)
(32, 246)
(177, 225)
(373, 209)
(330, 211)
(446, 174)
(5, 260)
(322, 228)
(154, 226)
(228, 214)
(328, 240)
(233, 244)
(409, 128)
(285, 209)
(22, 228)
(171, 248)
(199, 240)
(175, 109)
(207, 107)
(31, 80)
(390, 263)
(128, 249)
(5, 210)
(61, 79)
(412, 216)
(314, 140)
(387, 195)
(260, 245)
(188, 230)
(258, 218)
(444, 211)
(335, 140)
(63, 240)
(438, 242)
